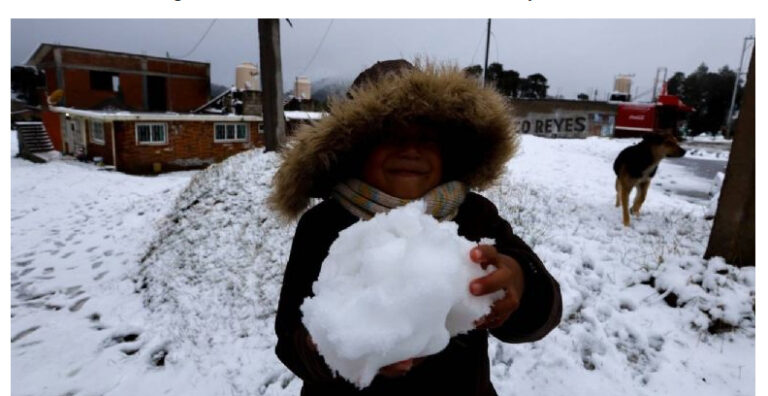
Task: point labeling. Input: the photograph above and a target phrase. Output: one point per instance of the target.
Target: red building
(135, 112)
(95, 79)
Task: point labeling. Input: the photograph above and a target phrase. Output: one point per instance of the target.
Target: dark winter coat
(463, 367)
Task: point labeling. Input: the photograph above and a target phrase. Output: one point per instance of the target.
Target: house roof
(121, 115)
(44, 48)
(303, 115)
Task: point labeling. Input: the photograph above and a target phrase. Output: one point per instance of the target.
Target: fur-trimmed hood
(474, 121)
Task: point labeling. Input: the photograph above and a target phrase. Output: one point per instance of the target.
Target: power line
(322, 40)
(496, 44)
(479, 41)
(199, 41)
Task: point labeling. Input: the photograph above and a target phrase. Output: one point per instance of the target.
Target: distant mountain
(216, 89)
(330, 86)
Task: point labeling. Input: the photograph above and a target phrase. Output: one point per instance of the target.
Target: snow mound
(392, 288)
(212, 276)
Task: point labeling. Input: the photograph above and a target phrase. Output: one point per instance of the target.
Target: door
(74, 140)
(156, 93)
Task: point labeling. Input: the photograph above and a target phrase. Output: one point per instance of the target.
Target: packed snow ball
(392, 288)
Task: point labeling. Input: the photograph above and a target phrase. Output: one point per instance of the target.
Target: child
(408, 133)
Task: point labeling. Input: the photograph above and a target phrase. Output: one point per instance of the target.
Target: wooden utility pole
(271, 83)
(733, 230)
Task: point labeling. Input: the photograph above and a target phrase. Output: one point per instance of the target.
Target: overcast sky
(576, 55)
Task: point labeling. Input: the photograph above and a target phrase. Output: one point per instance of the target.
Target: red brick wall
(131, 85)
(100, 150)
(50, 79)
(187, 69)
(52, 122)
(190, 146)
(77, 91)
(185, 94)
(101, 60)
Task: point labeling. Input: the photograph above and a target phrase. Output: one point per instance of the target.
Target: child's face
(405, 170)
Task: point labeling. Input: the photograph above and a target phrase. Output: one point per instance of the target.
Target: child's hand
(400, 368)
(508, 277)
(396, 369)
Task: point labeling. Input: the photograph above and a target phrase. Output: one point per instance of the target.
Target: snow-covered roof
(123, 115)
(303, 115)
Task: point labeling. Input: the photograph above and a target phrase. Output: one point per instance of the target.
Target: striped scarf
(364, 201)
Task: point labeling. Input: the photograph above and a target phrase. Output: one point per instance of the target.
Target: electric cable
(317, 50)
(199, 41)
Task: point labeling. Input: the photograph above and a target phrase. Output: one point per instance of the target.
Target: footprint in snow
(130, 339)
(25, 262)
(78, 304)
(24, 333)
(100, 275)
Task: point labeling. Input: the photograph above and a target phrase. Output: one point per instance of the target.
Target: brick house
(134, 112)
(143, 143)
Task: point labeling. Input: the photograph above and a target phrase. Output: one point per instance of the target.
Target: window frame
(245, 139)
(151, 142)
(103, 81)
(91, 134)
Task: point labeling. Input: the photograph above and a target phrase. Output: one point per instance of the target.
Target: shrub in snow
(393, 288)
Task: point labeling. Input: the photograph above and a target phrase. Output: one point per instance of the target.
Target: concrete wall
(563, 118)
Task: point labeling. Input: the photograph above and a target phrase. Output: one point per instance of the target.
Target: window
(104, 81)
(151, 134)
(97, 132)
(223, 133)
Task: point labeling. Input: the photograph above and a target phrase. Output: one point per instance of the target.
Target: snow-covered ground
(126, 285)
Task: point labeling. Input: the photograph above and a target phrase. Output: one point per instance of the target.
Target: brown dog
(636, 165)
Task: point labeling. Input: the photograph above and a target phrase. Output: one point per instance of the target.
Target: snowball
(392, 288)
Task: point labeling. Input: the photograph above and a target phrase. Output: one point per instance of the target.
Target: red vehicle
(636, 119)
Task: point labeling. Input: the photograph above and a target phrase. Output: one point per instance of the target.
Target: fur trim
(475, 121)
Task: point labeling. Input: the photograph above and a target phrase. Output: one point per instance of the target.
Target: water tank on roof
(623, 83)
(247, 77)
